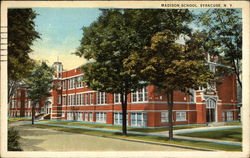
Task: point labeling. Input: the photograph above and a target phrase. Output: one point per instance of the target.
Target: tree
(113, 37)
(39, 84)
(21, 35)
(223, 31)
(170, 67)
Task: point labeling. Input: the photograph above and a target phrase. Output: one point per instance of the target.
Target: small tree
(170, 67)
(39, 85)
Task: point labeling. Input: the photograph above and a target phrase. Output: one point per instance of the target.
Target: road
(37, 139)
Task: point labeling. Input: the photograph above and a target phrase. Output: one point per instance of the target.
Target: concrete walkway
(165, 133)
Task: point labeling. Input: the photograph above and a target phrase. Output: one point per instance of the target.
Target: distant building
(21, 106)
(73, 100)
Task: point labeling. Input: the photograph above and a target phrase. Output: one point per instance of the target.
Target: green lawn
(234, 134)
(14, 119)
(115, 127)
(233, 123)
(204, 145)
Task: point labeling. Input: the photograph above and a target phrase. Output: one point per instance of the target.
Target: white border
(128, 4)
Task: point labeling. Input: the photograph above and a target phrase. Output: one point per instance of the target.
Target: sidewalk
(164, 134)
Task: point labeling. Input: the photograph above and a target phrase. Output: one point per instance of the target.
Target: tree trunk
(170, 101)
(33, 113)
(124, 113)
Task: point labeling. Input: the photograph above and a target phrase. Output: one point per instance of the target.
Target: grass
(14, 119)
(234, 134)
(115, 127)
(233, 123)
(199, 144)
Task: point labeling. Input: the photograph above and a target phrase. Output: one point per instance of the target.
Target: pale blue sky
(60, 30)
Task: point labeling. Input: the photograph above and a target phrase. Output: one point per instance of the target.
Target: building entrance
(210, 110)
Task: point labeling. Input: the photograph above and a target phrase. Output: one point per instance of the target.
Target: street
(37, 139)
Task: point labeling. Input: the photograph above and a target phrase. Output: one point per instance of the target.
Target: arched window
(210, 104)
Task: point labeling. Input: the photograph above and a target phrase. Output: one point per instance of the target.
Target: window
(79, 116)
(29, 103)
(140, 95)
(117, 98)
(71, 83)
(101, 117)
(64, 84)
(86, 116)
(81, 99)
(64, 100)
(59, 99)
(91, 98)
(223, 116)
(77, 99)
(86, 98)
(210, 104)
(79, 82)
(138, 119)
(118, 118)
(164, 116)
(181, 116)
(91, 116)
(71, 99)
(230, 116)
(101, 98)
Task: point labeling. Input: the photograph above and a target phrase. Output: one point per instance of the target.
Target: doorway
(210, 110)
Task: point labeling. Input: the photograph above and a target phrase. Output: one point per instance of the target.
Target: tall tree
(21, 35)
(39, 84)
(223, 31)
(170, 67)
(114, 36)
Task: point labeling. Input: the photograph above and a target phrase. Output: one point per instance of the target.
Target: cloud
(70, 61)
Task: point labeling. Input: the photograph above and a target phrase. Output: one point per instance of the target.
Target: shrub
(13, 140)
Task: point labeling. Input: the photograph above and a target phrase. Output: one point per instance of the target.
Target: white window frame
(91, 116)
(143, 118)
(230, 115)
(59, 97)
(101, 98)
(164, 116)
(86, 99)
(143, 92)
(64, 99)
(119, 117)
(86, 116)
(117, 98)
(101, 117)
(91, 98)
(181, 116)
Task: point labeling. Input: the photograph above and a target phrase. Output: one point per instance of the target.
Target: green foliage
(13, 140)
(168, 65)
(21, 35)
(223, 31)
(114, 36)
(40, 82)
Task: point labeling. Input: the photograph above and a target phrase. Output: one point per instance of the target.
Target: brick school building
(147, 107)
